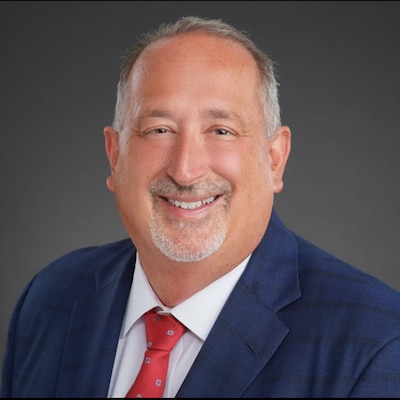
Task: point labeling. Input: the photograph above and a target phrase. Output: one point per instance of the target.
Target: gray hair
(213, 27)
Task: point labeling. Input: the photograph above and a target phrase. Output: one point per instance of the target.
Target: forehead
(195, 51)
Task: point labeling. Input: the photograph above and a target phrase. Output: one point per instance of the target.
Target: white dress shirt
(198, 313)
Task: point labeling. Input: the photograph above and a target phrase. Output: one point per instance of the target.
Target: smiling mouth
(191, 205)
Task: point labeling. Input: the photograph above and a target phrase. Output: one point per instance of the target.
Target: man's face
(192, 170)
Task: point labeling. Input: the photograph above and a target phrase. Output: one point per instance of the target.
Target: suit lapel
(94, 331)
(234, 354)
(248, 332)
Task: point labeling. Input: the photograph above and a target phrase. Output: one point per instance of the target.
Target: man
(197, 152)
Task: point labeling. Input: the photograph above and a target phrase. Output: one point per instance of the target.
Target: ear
(112, 149)
(278, 155)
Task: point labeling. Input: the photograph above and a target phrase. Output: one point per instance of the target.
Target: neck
(177, 281)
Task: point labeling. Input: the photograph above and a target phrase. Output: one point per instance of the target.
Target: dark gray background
(339, 70)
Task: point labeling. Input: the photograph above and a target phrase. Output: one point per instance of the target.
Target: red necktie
(162, 332)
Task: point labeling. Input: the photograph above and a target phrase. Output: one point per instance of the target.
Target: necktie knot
(162, 330)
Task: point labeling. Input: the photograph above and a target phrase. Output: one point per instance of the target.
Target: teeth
(191, 205)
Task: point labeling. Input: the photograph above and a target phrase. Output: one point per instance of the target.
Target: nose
(188, 159)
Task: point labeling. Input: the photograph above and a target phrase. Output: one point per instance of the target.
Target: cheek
(230, 165)
(245, 166)
(252, 190)
(133, 173)
(138, 164)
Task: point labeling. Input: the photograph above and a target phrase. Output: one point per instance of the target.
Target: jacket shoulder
(81, 271)
(341, 289)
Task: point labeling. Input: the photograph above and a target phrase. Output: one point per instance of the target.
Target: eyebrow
(156, 113)
(212, 113)
(220, 113)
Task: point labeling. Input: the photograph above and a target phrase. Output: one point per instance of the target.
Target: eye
(157, 131)
(222, 132)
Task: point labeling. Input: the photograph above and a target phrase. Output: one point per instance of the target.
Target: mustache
(168, 187)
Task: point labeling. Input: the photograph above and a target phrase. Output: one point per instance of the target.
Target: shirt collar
(198, 313)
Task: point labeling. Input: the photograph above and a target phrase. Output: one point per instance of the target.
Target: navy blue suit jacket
(299, 323)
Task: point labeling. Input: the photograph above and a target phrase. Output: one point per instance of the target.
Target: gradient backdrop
(339, 70)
